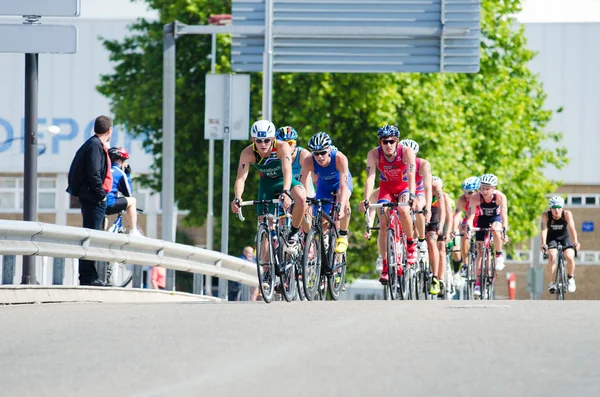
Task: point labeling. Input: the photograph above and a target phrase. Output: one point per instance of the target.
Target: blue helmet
(472, 183)
(286, 133)
(388, 131)
(319, 141)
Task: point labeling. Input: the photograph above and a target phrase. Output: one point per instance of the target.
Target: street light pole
(31, 153)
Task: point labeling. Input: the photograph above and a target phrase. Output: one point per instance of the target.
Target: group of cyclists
(427, 217)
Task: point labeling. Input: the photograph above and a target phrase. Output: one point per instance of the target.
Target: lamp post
(31, 154)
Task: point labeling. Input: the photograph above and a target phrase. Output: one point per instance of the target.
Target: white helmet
(438, 180)
(263, 129)
(489, 179)
(556, 202)
(411, 144)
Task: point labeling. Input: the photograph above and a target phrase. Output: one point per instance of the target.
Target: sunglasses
(321, 153)
(470, 191)
(555, 207)
(388, 141)
(259, 141)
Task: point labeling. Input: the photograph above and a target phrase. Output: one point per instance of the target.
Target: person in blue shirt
(120, 198)
(331, 168)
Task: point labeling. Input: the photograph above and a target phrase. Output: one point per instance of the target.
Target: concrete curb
(23, 294)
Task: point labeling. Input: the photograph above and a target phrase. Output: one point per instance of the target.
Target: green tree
(466, 124)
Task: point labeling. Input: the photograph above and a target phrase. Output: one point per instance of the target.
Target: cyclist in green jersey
(273, 159)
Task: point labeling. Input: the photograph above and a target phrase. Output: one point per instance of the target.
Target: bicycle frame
(487, 271)
(399, 241)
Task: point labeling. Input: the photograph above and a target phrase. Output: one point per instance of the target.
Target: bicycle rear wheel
(560, 280)
(311, 264)
(392, 258)
(119, 274)
(265, 264)
(288, 274)
(337, 262)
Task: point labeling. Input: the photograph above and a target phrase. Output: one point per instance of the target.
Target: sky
(533, 10)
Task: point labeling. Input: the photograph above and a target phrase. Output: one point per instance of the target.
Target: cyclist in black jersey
(558, 227)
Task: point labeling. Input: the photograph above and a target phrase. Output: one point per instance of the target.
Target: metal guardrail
(43, 239)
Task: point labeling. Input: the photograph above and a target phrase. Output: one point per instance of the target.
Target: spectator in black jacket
(90, 180)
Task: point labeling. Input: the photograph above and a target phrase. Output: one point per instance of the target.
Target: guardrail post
(101, 267)
(137, 276)
(58, 271)
(198, 284)
(8, 269)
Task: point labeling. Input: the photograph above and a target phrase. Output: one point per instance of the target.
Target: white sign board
(67, 98)
(42, 8)
(215, 109)
(38, 39)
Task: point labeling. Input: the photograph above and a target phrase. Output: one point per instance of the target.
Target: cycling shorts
(434, 223)
(119, 205)
(565, 242)
(387, 192)
(268, 188)
(485, 222)
(325, 190)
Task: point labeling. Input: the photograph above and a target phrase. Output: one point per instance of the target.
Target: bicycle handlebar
(254, 202)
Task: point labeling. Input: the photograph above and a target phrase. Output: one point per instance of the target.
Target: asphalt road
(349, 348)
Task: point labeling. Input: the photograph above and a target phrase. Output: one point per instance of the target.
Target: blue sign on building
(587, 227)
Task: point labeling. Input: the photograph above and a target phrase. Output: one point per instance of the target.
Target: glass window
(589, 257)
(8, 182)
(576, 200)
(47, 184)
(7, 200)
(590, 200)
(47, 201)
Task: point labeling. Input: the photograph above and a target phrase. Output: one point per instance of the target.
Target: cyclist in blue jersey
(331, 168)
(120, 198)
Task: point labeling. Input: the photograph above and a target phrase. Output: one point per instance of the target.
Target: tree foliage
(466, 124)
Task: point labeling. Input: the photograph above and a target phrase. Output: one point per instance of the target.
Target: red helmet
(118, 153)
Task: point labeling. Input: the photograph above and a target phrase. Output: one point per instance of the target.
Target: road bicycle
(323, 269)
(119, 274)
(272, 260)
(399, 282)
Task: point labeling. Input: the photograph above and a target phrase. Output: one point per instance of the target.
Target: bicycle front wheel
(392, 258)
(311, 264)
(264, 264)
(560, 280)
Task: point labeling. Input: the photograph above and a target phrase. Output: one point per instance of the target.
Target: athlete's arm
(441, 205)
(307, 169)
(544, 228)
(372, 159)
(572, 229)
(425, 171)
(473, 204)
(411, 166)
(503, 210)
(341, 164)
(460, 207)
(246, 158)
(284, 153)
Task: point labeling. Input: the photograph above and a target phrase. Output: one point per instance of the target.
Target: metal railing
(49, 240)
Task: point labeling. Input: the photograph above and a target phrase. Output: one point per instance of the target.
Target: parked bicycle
(119, 274)
(272, 260)
(322, 268)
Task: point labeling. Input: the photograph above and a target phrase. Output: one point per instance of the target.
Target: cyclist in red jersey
(397, 167)
(470, 186)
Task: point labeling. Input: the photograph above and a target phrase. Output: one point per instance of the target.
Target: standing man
(558, 227)
(90, 180)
